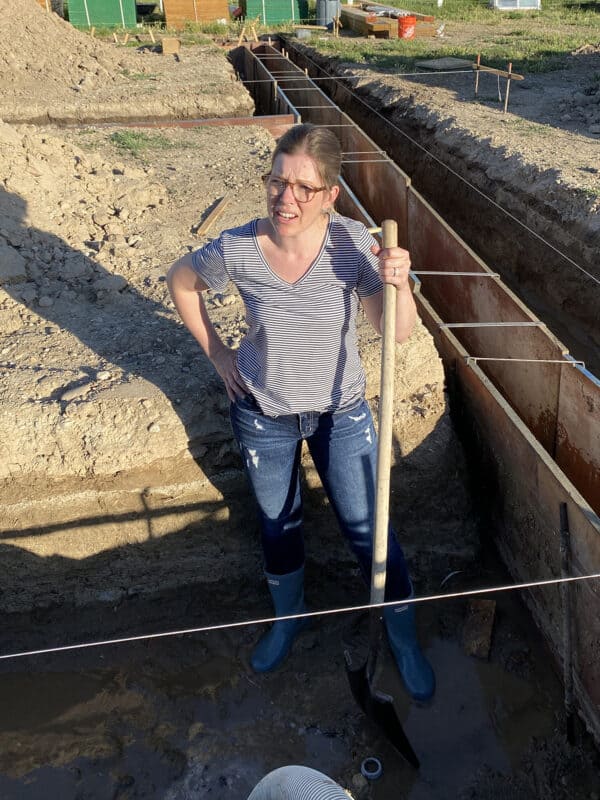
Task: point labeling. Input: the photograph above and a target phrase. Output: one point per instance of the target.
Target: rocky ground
(123, 505)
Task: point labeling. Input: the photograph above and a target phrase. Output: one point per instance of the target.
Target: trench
(185, 717)
(465, 197)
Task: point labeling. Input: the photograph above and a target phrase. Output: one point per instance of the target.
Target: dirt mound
(53, 72)
(45, 48)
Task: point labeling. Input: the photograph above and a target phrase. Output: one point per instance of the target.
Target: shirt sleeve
(369, 281)
(209, 264)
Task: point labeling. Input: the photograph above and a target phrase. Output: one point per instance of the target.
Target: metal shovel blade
(378, 705)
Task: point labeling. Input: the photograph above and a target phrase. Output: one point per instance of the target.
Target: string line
(304, 615)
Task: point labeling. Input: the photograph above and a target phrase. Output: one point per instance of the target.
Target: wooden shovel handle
(389, 230)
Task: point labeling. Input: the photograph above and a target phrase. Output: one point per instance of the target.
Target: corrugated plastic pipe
(297, 783)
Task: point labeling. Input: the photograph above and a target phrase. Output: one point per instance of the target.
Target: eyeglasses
(303, 192)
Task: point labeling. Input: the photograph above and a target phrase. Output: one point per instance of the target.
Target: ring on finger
(394, 272)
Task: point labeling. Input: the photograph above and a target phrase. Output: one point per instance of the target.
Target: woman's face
(293, 207)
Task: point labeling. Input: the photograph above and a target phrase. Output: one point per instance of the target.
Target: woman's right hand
(225, 362)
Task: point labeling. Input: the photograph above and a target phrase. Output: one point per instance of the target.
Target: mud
(185, 717)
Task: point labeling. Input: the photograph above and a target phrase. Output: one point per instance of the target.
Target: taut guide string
(305, 615)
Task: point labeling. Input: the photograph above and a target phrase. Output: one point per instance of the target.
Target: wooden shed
(179, 12)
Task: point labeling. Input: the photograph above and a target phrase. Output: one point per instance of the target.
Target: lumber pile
(365, 23)
(398, 12)
(425, 25)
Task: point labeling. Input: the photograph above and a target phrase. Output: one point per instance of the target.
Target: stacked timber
(425, 25)
(366, 23)
(180, 12)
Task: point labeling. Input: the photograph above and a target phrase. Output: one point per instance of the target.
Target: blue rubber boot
(287, 592)
(415, 670)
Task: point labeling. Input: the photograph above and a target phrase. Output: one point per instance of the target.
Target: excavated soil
(124, 509)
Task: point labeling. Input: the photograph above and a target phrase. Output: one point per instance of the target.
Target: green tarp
(102, 13)
(274, 11)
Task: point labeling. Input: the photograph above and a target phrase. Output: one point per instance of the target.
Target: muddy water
(185, 717)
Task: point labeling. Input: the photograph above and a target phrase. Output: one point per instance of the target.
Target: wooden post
(92, 32)
(477, 73)
(275, 90)
(116, 38)
(242, 34)
(151, 36)
(507, 86)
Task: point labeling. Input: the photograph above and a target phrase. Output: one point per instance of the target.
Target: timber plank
(366, 24)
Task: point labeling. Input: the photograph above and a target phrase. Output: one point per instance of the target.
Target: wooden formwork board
(578, 435)
(525, 490)
(532, 488)
(532, 388)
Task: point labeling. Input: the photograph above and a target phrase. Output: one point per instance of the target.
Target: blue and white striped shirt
(301, 351)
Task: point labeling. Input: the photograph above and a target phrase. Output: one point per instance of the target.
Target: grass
(137, 143)
(535, 41)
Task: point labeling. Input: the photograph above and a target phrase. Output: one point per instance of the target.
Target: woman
(301, 272)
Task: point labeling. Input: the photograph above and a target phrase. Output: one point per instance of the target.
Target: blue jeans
(343, 447)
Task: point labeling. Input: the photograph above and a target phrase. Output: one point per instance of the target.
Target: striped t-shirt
(301, 351)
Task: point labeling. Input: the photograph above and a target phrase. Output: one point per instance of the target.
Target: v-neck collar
(310, 267)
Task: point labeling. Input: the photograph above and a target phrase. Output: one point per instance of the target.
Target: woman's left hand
(394, 265)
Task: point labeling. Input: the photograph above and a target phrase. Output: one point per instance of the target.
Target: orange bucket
(406, 27)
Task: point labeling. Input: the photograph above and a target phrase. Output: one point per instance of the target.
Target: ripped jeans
(343, 447)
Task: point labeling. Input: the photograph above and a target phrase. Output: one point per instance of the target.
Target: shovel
(376, 704)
